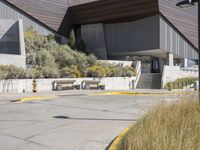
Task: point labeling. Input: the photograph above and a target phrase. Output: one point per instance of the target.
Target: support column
(171, 59)
(185, 62)
(22, 59)
(21, 37)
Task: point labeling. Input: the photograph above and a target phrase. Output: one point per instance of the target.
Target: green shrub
(115, 71)
(72, 40)
(108, 70)
(48, 59)
(97, 70)
(50, 72)
(180, 83)
(11, 72)
(188, 79)
(128, 71)
(34, 73)
(91, 59)
(70, 72)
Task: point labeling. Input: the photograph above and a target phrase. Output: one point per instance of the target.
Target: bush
(72, 40)
(115, 71)
(70, 72)
(180, 83)
(108, 70)
(91, 59)
(48, 59)
(188, 79)
(128, 71)
(34, 73)
(11, 72)
(172, 126)
(97, 70)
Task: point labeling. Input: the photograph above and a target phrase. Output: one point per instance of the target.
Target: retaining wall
(20, 85)
(172, 73)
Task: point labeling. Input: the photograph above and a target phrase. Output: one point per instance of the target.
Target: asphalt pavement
(68, 120)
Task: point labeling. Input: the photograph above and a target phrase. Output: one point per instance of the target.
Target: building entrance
(155, 65)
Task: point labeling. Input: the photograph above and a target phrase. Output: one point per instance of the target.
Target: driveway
(69, 121)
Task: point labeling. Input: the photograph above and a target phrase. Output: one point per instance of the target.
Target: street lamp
(189, 3)
(186, 3)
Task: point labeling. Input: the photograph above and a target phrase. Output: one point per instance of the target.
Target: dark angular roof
(60, 15)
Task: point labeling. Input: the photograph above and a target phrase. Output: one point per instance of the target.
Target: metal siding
(173, 42)
(132, 36)
(181, 47)
(168, 38)
(93, 36)
(7, 12)
(162, 34)
(185, 20)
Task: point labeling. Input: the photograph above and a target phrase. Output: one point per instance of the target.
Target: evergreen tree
(72, 40)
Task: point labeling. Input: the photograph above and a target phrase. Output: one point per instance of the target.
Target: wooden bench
(66, 85)
(92, 84)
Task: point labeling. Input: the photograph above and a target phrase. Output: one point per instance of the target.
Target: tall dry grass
(174, 126)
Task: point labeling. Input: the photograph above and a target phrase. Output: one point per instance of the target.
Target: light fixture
(186, 3)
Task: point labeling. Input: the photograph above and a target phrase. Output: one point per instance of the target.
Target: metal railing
(138, 71)
(190, 69)
(181, 84)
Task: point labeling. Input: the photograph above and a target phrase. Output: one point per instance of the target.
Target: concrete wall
(8, 12)
(117, 62)
(172, 73)
(17, 60)
(9, 37)
(132, 36)
(12, 48)
(115, 83)
(173, 42)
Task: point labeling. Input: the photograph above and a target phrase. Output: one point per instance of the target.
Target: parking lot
(69, 120)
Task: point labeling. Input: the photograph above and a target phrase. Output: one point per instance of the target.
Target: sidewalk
(14, 96)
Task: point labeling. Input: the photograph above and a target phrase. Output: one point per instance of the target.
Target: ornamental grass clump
(174, 126)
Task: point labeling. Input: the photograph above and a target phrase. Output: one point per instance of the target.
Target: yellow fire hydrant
(34, 86)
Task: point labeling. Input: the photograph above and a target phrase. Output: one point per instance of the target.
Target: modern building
(157, 32)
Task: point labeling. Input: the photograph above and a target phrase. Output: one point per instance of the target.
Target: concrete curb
(33, 98)
(118, 139)
(129, 93)
(140, 93)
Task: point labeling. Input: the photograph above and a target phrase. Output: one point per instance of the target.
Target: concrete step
(150, 81)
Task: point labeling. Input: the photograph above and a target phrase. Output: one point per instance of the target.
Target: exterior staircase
(150, 81)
